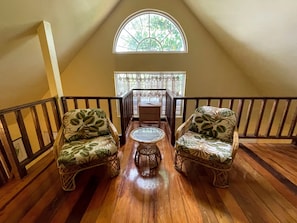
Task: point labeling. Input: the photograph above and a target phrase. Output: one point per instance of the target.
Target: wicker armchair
(208, 137)
(86, 139)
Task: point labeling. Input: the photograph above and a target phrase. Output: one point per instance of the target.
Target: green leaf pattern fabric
(84, 124)
(86, 150)
(205, 147)
(214, 122)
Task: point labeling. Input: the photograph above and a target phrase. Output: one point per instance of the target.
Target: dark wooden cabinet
(149, 113)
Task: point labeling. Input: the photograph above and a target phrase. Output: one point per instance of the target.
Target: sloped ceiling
(260, 36)
(23, 77)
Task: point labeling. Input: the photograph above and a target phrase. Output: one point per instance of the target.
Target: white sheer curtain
(173, 81)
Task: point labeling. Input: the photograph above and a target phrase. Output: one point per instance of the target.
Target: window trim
(135, 111)
(145, 11)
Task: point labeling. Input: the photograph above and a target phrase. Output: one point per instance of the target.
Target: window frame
(136, 101)
(152, 11)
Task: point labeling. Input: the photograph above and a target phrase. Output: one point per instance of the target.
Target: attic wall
(210, 71)
(259, 37)
(23, 76)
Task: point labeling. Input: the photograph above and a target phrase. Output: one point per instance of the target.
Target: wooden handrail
(33, 125)
(28, 129)
(258, 117)
(110, 104)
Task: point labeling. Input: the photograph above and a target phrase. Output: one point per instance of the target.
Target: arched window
(150, 31)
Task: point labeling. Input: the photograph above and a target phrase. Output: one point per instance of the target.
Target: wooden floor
(263, 188)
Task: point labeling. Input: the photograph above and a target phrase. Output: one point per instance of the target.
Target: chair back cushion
(214, 122)
(84, 124)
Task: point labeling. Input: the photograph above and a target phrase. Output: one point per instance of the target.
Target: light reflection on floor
(144, 188)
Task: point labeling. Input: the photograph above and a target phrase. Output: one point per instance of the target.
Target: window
(173, 81)
(150, 31)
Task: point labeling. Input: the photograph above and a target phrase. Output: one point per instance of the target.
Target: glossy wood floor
(262, 189)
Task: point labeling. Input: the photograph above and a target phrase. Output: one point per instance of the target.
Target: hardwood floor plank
(177, 207)
(12, 189)
(175, 189)
(82, 203)
(260, 193)
(42, 208)
(276, 153)
(192, 207)
(196, 176)
(233, 207)
(288, 195)
(124, 202)
(93, 207)
(251, 204)
(66, 202)
(164, 180)
(255, 194)
(218, 206)
(26, 199)
(282, 178)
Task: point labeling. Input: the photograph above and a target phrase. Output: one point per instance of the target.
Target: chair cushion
(214, 122)
(84, 124)
(205, 147)
(86, 150)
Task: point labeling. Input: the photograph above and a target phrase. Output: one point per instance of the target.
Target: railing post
(173, 121)
(122, 117)
(17, 170)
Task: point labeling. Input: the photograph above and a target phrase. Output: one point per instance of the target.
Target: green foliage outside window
(150, 32)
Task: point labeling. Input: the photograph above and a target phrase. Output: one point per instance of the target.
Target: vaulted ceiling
(260, 36)
(22, 69)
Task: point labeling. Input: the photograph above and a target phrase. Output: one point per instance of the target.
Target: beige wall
(210, 71)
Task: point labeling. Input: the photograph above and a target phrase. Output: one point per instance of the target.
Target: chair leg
(220, 178)
(68, 181)
(178, 162)
(114, 166)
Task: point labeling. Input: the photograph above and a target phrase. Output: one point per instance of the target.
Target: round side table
(147, 137)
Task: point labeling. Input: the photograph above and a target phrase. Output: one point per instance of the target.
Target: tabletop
(147, 134)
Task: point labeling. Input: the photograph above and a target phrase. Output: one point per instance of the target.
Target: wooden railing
(118, 109)
(31, 128)
(148, 96)
(27, 131)
(258, 117)
(126, 112)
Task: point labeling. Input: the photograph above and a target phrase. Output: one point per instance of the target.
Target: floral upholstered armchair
(210, 138)
(86, 139)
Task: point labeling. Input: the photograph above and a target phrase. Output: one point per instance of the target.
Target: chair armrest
(114, 133)
(184, 127)
(235, 144)
(59, 141)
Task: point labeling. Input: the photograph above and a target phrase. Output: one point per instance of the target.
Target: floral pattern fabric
(205, 147)
(86, 150)
(214, 122)
(84, 124)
